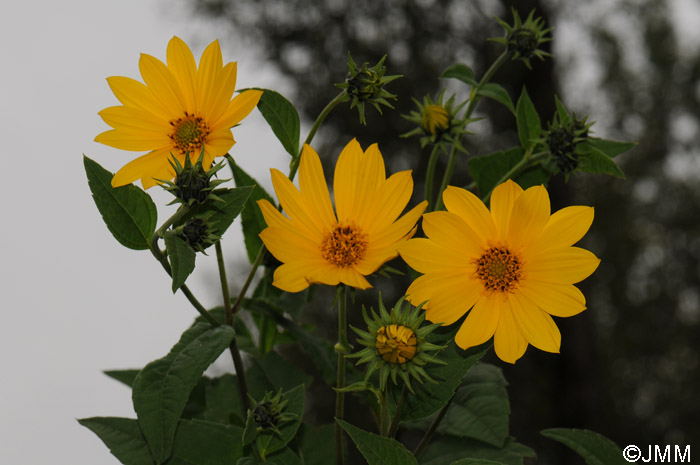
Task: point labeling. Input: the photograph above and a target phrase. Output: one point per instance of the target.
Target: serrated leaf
(181, 257)
(128, 212)
(204, 443)
(461, 72)
(283, 119)
(429, 397)
(498, 93)
(162, 388)
(450, 449)
(252, 219)
(592, 160)
(528, 120)
(376, 449)
(125, 376)
(269, 442)
(594, 448)
(123, 438)
(611, 148)
(487, 170)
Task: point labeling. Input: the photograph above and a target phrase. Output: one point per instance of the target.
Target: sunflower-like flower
(437, 121)
(317, 246)
(514, 267)
(395, 344)
(181, 110)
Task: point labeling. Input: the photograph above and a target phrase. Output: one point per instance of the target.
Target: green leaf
(611, 148)
(378, 450)
(498, 93)
(476, 462)
(123, 438)
(429, 397)
(283, 119)
(594, 448)
(203, 443)
(162, 388)
(528, 120)
(461, 72)
(487, 170)
(480, 408)
(285, 457)
(223, 403)
(125, 376)
(564, 117)
(128, 212)
(252, 218)
(271, 441)
(316, 445)
(181, 257)
(219, 214)
(592, 160)
(450, 449)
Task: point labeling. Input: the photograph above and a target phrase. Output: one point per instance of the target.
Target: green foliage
(498, 93)
(450, 449)
(123, 438)
(316, 445)
(204, 443)
(529, 126)
(283, 119)
(611, 148)
(162, 388)
(252, 218)
(475, 462)
(488, 170)
(128, 212)
(592, 160)
(460, 71)
(181, 257)
(594, 448)
(268, 441)
(125, 376)
(378, 450)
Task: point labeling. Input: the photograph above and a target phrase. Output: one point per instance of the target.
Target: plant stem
(397, 413)
(155, 250)
(384, 414)
(430, 175)
(474, 97)
(248, 280)
(446, 177)
(224, 283)
(342, 348)
(433, 426)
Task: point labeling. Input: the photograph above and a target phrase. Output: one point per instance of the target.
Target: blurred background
(629, 365)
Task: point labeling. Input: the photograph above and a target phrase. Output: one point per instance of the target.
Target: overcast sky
(74, 301)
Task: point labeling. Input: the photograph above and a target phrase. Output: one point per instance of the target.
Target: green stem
(384, 414)
(248, 280)
(397, 413)
(342, 348)
(155, 250)
(473, 96)
(430, 175)
(294, 166)
(224, 283)
(446, 177)
(431, 430)
(511, 173)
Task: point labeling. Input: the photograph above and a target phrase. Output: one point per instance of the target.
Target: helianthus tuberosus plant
(487, 267)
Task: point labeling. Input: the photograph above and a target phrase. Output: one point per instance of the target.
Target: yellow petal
(569, 265)
(538, 327)
(502, 202)
(530, 215)
(480, 324)
(450, 231)
(565, 227)
(210, 65)
(272, 216)
(399, 230)
(225, 85)
(562, 300)
(508, 341)
(450, 295)
(314, 190)
(135, 142)
(425, 256)
(219, 143)
(292, 277)
(136, 169)
(133, 93)
(357, 176)
(288, 245)
(291, 201)
(181, 63)
(162, 84)
(388, 202)
(472, 210)
(135, 121)
(237, 109)
(353, 278)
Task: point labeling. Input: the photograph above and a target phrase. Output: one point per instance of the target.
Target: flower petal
(181, 63)
(480, 324)
(135, 121)
(530, 215)
(538, 327)
(450, 231)
(400, 230)
(134, 142)
(291, 200)
(133, 93)
(288, 245)
(224, 87)
(388, 202)
(136, 169)
(472, 210)
(162, 84)
(561, 300)
(569, 265)
(293, 277)
(237, 109)
(210, 65)
(502, 202)
(565, 227)
(450, 295)
(357, 176)
(314, 190)
(508, 341)
(425, 256)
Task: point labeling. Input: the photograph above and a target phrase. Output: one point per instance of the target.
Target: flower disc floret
(344, 246)
(499, 269)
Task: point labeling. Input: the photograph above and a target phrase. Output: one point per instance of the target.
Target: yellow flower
(396, 343)
(182, 108)
(513, 267)
(317, 246)
(434, 118)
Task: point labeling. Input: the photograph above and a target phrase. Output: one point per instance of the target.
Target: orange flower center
(189, 133)
(499, 270)
(396, 343)
(345, 245)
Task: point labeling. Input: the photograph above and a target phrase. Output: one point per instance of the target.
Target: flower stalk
(342, 348)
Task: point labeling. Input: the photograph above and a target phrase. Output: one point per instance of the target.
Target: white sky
(74, 301)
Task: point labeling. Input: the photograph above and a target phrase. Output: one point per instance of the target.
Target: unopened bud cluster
(523, 39)
(192, 183)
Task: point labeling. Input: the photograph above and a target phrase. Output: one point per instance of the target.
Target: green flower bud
(192, 184)
(523, 39)
(196, 233)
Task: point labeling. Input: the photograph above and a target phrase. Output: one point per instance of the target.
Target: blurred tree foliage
(629, 365)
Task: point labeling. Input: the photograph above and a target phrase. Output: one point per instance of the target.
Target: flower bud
(523, 39)
(196, 233)
(437, 122)
(192, 184)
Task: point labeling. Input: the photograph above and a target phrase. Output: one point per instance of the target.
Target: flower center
(434, 118)
(345, 245)
(396, 343)
(499, 270)
(189, 133)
